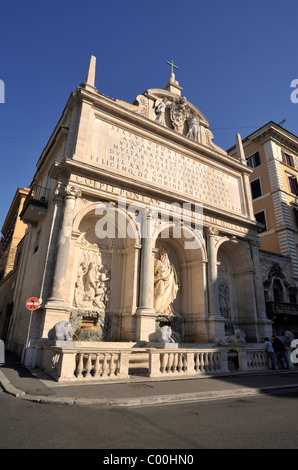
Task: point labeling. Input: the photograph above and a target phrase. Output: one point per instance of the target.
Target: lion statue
(237, 339)
(60, 331)
(164, 335)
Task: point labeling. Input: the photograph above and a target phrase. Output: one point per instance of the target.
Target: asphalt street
(255, 422)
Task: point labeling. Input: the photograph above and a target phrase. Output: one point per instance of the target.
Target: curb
(9, 388)
(143, 401)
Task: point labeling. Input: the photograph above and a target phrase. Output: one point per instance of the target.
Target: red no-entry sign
(32, 303)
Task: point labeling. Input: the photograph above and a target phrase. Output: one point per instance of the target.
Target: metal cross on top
(172, 66)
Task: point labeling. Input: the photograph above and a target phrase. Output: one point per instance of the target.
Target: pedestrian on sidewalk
(270, 351)
(281, 352)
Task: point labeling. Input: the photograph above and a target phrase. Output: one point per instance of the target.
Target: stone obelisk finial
(90, 79)
(240, 150)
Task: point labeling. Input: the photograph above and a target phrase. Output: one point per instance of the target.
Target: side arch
(237, 298)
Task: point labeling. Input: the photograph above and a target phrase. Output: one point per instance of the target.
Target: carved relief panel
(92, 285)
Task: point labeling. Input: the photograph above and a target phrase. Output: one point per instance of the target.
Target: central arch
(189, 261)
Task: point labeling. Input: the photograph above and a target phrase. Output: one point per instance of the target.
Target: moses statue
(165, 284)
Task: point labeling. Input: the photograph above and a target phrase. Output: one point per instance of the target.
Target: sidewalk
(35, 386)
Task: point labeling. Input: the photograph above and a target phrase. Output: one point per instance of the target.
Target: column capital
(212, 231)
(72, 191)
(255, 243)
(62, 191)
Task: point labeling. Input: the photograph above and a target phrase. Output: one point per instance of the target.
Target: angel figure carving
(193, 127)
(160, 109)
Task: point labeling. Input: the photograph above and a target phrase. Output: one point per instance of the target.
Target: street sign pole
(31, 304)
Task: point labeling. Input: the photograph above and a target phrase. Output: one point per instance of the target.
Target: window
(277, 291)
(295, 213)
(36, 242)
(260, 217)
(253, 160)
(293, 184)
(17, 261)
(256, 190)
(287, 159)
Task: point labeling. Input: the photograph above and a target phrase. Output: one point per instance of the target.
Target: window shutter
(295, 216)
(292, 161)
(260, 217)
(257, 157)
(255, 188)
(293, 185)
(283, 156)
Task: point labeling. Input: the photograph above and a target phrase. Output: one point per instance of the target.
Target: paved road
(233, 423)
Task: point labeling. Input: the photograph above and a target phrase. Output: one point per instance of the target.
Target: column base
(54, 311)
(216, 325)
(146, 323)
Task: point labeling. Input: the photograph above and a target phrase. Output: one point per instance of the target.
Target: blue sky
(236, 62)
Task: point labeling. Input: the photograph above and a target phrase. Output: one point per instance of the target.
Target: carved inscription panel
(126, 153)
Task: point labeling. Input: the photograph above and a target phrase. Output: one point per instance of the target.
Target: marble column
(145, 313)
(264, 325)
(216, 321)
(213, 296)
(64, 245)
(259, 290)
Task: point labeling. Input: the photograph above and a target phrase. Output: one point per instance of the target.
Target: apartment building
(13, 231)
(272, 153)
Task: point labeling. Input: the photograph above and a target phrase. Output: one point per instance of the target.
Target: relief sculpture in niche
(91, 288)
(225, 298)
(91, 296)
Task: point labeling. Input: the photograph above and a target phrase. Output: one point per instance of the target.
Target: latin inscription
(132, 196)
(127, 153)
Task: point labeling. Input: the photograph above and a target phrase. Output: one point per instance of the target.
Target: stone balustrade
(107, 364)
(185, 362)
(70, 363)
(257, 359)
(252, 359)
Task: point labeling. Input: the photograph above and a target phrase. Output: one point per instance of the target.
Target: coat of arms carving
(179, 113)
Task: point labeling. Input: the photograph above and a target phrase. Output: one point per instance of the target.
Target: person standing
(281, 352)
(270, 351)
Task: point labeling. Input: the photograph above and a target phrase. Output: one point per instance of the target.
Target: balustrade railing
(256, 359)
(252, 359)
(105, 364)
(173, 362)
(208, 361)
(72, 364)
(187, 362)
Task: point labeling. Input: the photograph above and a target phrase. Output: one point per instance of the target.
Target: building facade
(137, 219)
(13, 231)
(272, 153)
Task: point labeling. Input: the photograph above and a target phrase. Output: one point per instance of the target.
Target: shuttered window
(293, 185)
(260, 217)
(287, 159)
(256, 190)
(253, 160)
(295, 212)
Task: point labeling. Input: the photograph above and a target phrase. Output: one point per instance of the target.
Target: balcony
(35, 205)
(278, 309)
